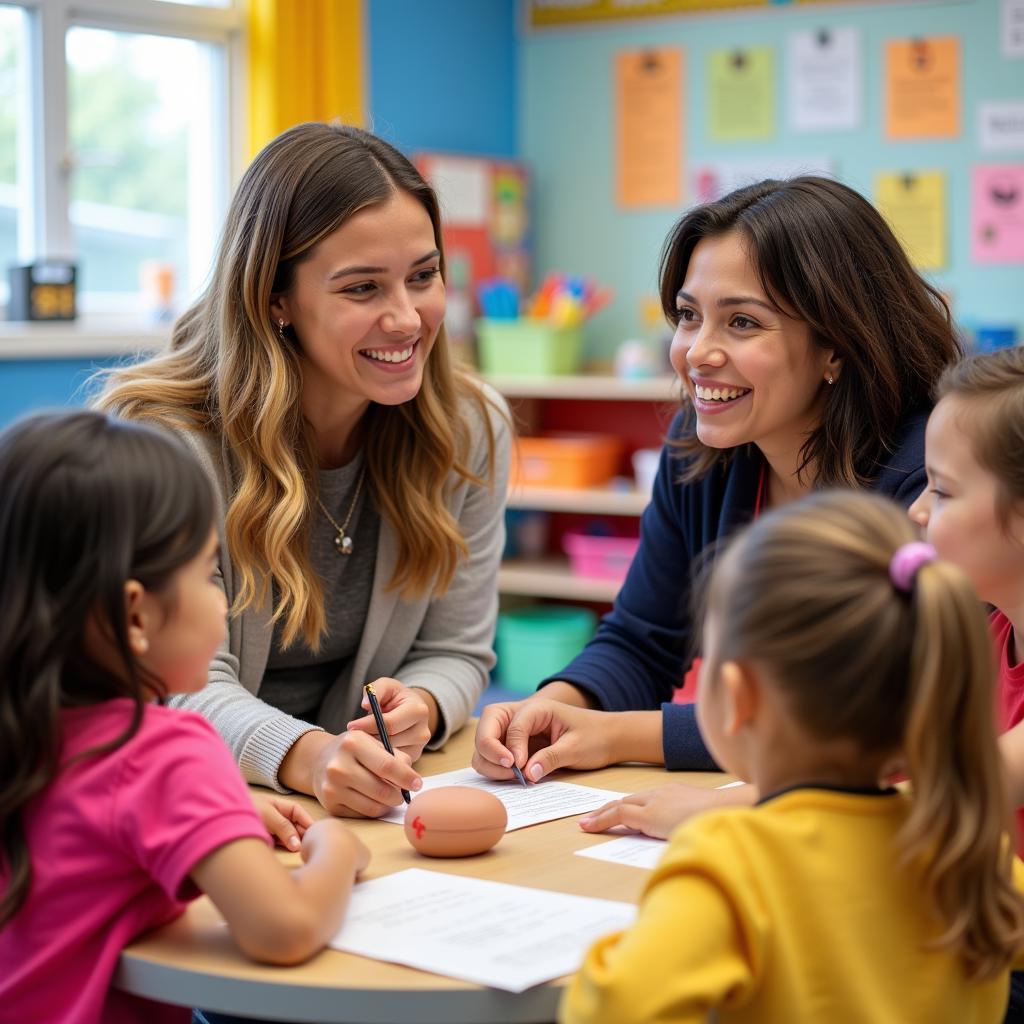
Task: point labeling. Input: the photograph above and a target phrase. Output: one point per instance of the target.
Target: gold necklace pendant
(343, 542)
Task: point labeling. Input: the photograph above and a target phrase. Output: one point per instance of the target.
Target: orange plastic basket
(565, 460)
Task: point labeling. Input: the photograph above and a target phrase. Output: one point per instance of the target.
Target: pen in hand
(518, 774)
(381, 728)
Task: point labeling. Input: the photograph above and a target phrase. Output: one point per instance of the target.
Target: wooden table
(193, 962)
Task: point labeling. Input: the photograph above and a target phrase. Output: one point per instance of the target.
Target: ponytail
(812, 592)
(960, 815)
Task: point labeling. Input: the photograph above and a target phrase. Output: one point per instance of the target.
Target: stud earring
(830, 379)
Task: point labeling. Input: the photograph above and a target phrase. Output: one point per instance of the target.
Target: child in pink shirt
(115, 811)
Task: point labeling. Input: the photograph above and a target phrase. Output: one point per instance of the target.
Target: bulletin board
(546, 13)
(919, 106)
(484, 207)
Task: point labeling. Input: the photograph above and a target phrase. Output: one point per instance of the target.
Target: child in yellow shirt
(834, 646)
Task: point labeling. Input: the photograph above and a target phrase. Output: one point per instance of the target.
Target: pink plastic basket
(605, 558)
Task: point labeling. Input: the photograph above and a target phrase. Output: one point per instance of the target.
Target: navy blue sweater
(643, 645)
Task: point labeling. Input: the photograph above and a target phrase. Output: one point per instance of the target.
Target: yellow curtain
(305, 64)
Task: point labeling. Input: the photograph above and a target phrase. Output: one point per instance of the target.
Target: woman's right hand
(353, 776)
(540, 735)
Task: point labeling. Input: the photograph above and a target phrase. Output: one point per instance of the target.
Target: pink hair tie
(906, 561)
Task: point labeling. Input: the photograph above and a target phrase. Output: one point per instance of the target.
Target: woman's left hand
(407, 716)
(284, 819)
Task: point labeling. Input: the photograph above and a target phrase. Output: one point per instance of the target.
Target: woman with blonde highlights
(834, 645)
(361, 474)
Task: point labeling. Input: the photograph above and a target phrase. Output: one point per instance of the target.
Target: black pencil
(382, 729)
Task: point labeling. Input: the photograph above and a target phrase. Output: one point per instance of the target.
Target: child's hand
(656, 812)
(406, 716)
(335, 840)
(284, 819)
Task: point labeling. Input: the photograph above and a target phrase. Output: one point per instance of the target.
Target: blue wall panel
(442, 75)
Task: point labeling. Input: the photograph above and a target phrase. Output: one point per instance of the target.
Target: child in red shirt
(972, 512)
(115, 811)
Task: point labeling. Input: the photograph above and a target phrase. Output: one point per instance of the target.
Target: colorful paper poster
(824, 76)
(713, 179)
(1001, 126)
(742, 94)
(923, 88)
(1013, 28)
(915, 207)
(997, 213)
(649, 130)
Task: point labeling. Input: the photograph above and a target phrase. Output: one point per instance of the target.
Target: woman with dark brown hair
(807, 348)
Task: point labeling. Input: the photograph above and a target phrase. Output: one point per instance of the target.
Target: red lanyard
(762, 481)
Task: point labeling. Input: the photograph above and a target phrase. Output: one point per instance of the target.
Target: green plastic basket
(538, 641)
(528, 348)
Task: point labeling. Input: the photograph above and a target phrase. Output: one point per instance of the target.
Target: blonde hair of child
(805, 593)
(993, 384)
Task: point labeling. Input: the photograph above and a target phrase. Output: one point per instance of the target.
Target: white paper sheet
(712, 179)
(543, 801)
(634, 851)
(1001, 126)
(825, 80)
(730, 785)
(1013, 28)
(505, 936)
(462, 187)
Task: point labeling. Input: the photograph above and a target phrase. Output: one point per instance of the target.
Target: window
(12, 98)
(143, 163)
(133, 139)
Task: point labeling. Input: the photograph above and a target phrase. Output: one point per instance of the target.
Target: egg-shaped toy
(454, 821)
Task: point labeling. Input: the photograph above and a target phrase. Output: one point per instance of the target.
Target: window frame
(45, 157)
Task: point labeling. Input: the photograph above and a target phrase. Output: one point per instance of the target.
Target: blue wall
(567, 80)
(30, 384)
(442, 74)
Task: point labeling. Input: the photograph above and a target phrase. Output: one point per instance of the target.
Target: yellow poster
(742, 94)
(649, 130)
(915, 207)
(922, 79)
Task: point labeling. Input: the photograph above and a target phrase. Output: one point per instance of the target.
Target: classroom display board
(573, 12)
(485, 216)
(919, 105)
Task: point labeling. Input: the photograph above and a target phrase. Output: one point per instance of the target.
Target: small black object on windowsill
(42, 291)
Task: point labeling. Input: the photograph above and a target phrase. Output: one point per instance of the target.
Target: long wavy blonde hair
(805, 592)
(228, 372)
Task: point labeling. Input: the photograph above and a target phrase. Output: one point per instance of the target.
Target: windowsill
(86, 337)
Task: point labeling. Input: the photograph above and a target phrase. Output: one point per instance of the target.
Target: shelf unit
(606, 389)
(592, 501)
(552, 577)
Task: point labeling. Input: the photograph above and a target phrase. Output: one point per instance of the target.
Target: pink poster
(997, 214)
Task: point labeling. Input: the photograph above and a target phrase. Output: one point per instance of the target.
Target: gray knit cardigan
(440, 644)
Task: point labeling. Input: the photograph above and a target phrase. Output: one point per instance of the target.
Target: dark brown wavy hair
(827, 257)
(88, 502)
